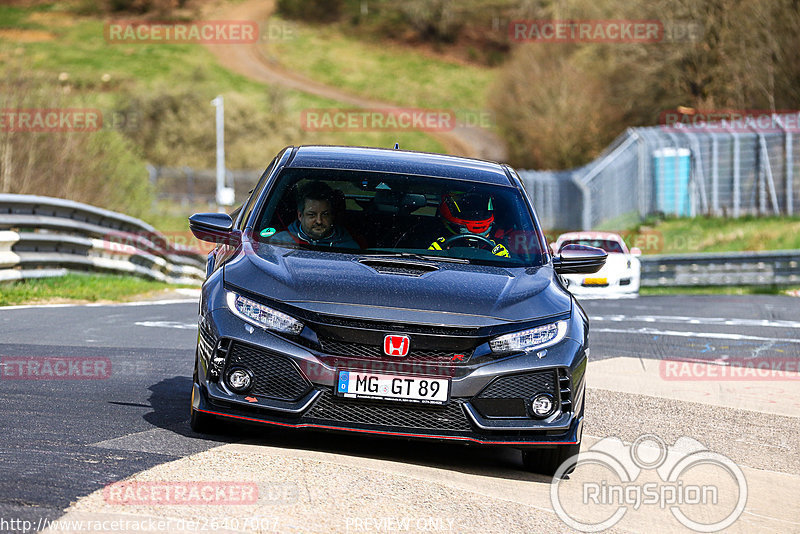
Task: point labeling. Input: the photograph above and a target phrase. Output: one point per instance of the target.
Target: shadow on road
(170, 400)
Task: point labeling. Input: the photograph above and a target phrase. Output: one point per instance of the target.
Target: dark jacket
(295, 235)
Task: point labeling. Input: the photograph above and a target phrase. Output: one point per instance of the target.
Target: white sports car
(621, 273)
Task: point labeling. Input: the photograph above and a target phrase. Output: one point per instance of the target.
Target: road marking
(676, 333)
(167, 324)
(696, 320)
(100, 305)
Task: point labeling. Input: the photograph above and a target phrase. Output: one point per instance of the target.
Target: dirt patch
(249, 60)
(25, 36)
(52, 19)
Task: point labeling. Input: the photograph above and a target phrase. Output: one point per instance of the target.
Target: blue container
(672, 167)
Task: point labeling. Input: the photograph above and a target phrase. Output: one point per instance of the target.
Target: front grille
(521, 386)
(387, 326)
(508, 396)
(450, 418)
(275, 376)
(361, 350)
(205, 342)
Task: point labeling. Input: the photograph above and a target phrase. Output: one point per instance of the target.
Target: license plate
(423, 390)
(595, 281)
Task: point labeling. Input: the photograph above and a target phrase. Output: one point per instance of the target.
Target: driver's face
(316, 219)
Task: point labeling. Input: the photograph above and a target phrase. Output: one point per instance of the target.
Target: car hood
(455, 294)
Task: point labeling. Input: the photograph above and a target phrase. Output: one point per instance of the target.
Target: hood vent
(403, 267)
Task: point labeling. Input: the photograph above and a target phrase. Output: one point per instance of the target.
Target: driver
(315, 224)
(470, 214)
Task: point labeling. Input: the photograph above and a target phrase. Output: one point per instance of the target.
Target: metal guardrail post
(737, 200)
(770, 182)
(714, 174)
(642, 170)
(788, 164)
(586, 203)
(789, 171)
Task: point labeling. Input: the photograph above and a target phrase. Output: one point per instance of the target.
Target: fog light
(239, 380)
(543, 405)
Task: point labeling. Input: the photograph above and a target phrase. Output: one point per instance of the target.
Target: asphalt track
(65, 439)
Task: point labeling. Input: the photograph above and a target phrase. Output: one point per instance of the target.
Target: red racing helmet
(470, 213)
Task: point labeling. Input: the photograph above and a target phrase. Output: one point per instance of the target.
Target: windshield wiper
(413, 256)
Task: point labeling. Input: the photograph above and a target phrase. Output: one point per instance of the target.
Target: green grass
(78, 48)
(79, 287)
(706, 234)
(715, 290)
(380, 70)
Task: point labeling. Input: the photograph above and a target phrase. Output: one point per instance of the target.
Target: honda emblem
(396, 345)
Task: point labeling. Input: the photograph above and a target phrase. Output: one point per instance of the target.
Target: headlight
(263, 316)
(535, 338)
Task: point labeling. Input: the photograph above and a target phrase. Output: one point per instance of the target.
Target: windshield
(606, 244)
(371, 213)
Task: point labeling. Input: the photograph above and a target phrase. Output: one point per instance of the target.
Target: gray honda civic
(394, 293)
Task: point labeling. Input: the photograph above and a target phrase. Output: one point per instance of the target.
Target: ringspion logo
(703, 490)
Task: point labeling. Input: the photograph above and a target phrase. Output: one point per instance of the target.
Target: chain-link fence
(717, 170)
(673, 171)
(195, 186)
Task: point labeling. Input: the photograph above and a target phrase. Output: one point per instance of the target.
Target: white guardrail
(764, 268)
(44, 237)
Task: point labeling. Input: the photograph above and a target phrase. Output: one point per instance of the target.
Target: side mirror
(636, 251)
(215, 228)
(579, 259)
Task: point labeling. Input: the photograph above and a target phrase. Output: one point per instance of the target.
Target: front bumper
(629, 283)
(300, 391)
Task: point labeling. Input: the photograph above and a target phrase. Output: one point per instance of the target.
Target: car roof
(401, 162)
(608, 236)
